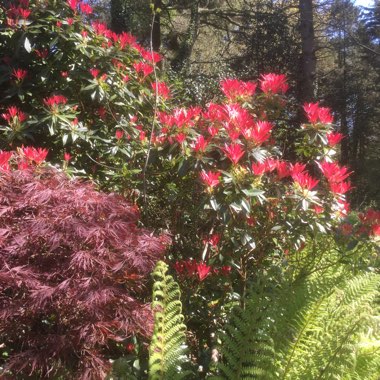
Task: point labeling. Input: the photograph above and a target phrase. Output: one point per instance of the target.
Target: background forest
(328, 49)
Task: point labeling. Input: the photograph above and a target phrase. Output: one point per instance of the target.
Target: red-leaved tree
(73, 268)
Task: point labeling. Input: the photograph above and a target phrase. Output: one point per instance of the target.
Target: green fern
(327, 329)
(307, 331)
(167, 349)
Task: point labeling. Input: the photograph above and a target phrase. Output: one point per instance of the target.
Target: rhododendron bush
(69, 84)
(73, 272)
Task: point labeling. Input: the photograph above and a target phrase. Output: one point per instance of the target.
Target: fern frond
(326, 330)
(167, 349)
(248, 348)
(305, 331)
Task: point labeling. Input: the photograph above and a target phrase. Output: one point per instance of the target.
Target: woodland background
(330, 50)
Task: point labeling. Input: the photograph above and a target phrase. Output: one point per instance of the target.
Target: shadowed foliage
(74, 265)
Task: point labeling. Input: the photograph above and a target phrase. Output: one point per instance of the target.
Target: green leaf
(27, 45)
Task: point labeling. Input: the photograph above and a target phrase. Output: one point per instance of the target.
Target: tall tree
(308, 59)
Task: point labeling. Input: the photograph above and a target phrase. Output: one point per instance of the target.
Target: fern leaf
(167, 349)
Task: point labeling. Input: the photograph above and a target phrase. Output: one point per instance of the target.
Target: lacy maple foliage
(73, 268)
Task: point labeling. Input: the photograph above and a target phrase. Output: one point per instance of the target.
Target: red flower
(101, 29)
(333, 172)
(225, 270)
(119, 134)
(179, 267)
(317, 114)
(282, 169)
(55, 100)
(190, 266)
(259, 168)
(200, 144)
(203, 270)
(340, 187)
(261, 132)
(37, 155)
(214, 240)
(180, 137)
(142, 135)
(143, 68)
(24, 13)
(14, 116)
(4, 160)
(94, 72)
(150, 56)
(234, 152)
(19, 74)
(334, 138)
(297, 168)
(130, 347)
(234, 89)
(42, 53)
(73, 4)
(85, 8)
(211, 179)
(325, 116)
(125, 39)
(102, 112)
(67, 156)
(273, 83)
(376, 230)
(305, 180)
(161, 89)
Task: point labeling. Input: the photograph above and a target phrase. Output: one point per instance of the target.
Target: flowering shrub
(73, 271)
(73, 85)
(258, 203)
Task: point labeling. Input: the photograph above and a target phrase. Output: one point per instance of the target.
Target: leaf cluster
(74, 268)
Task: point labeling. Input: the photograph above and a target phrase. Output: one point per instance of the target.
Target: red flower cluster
(316, 114)
(335, 175)
(334, 138)
(191, 268)
(15, 13)
(235, 89)
(36, 155)
(4, 160)
(274, 83)
(305, 180)
(161, 89)
(84, 7)
(55, 100)
(211, 179)
(143, 68)
(24, 158)
(14, 116)
(19, 74)
(371, 222)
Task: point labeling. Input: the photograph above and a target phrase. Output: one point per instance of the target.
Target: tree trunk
(156, 27)
(182, 61)
(308, 60)
(118, 17)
